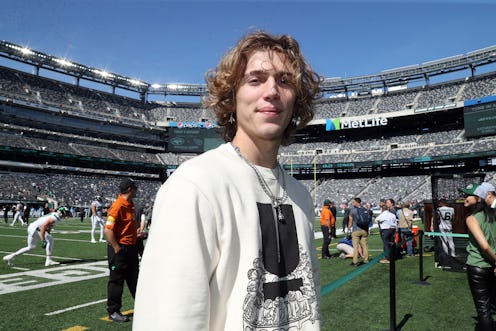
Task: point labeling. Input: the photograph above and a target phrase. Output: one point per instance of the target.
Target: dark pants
(326, 241)
(481, 282)
(388, 239)
(124, 266)
(333, 231)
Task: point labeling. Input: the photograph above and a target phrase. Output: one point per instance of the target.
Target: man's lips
(269, 110)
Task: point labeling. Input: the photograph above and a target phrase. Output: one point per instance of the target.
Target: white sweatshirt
(212, 260)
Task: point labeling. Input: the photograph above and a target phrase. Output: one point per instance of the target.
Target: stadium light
(102, 73)
(136, 82)
(26, 51)
(156, 86)
(64, 62)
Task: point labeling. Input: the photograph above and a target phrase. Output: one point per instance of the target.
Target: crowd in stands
(80, 190)
(411, 98)
(31, 88)
(74, 189)
(396, 147)
(67, 189)
(67, 146)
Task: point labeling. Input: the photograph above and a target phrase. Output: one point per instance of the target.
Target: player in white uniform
(40, 230)
(97, 218)
(18, 215)
(446, 216)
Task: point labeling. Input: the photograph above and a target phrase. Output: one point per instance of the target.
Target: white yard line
(75, 307)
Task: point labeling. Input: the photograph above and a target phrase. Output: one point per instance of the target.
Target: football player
(97, 218)
(40, 230)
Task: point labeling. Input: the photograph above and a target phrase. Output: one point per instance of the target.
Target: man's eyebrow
(266, 72)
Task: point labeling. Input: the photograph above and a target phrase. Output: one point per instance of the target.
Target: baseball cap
(483, 189)
(469, 189)
(478, 189)
(327, 202)
(125, 184)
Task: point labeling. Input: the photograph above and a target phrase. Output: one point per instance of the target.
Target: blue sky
(178, 41)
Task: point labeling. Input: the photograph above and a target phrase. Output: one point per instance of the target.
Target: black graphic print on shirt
(281, 288)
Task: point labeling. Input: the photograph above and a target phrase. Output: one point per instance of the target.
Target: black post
(392, 287)
(421, 280)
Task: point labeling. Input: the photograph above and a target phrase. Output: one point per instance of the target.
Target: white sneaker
(9, 259)
(103, 240)
(50, 262)
(93, 241)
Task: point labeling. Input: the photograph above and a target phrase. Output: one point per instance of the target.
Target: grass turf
(361, 303)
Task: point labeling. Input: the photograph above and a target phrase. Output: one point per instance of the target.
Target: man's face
(389, 204)
(265, 98)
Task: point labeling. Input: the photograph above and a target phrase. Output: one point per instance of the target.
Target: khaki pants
(359, 237)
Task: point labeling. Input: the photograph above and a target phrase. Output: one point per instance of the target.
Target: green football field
(71, 296)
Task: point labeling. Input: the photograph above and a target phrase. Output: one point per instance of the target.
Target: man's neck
(262, 154)
(493, 205)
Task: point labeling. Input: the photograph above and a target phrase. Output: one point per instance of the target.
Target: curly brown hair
(224, 81)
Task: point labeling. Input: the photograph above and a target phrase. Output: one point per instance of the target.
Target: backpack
(363, 218)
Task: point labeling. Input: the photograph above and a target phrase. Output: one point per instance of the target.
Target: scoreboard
(193, 140)
(479, 118)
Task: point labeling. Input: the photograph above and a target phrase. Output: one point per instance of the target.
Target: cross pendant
(280, 216)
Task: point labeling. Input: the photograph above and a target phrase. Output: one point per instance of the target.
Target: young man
(358, 235)
(40, 230)
(231, 246)
(121, 230)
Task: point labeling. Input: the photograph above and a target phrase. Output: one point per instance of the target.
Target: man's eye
(285, 80)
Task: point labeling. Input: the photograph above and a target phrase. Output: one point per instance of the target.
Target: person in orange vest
(326, 222)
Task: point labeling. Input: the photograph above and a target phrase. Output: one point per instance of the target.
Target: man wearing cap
(326, 219)
(40, 230)
(122, 253)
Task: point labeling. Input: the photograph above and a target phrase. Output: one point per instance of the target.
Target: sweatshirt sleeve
(180, 258)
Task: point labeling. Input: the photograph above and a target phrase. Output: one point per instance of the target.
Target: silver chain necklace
(276, 201)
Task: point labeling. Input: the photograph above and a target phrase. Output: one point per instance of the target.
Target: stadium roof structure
(404, 75)
(383, 80)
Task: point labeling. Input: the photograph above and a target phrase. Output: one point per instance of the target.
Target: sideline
(75, 307)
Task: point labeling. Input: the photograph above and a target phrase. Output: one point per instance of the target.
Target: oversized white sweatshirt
(217, 259)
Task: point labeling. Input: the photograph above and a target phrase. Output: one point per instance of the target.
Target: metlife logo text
(342, 123)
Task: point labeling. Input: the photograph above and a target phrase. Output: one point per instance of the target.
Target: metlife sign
(343, 123)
